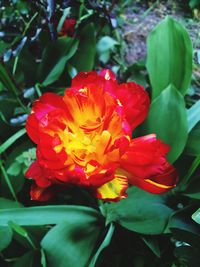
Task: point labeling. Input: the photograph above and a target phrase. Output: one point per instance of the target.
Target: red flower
(68, 27)
(84, 138)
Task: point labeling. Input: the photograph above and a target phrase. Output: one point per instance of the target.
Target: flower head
(84, 138)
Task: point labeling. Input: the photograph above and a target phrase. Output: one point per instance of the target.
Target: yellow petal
(113, 190)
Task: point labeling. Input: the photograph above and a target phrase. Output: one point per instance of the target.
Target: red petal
(32, 128)
(38, 174)
(68, 27)
(135, 101)
(145, 157)
(159, 184)
(97, 180)
(84, 78)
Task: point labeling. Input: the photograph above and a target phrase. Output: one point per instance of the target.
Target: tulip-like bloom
(84, 139)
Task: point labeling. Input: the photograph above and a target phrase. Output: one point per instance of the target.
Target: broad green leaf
(85, 56)
(54, 59)
(45, 215)
(196, 216)
(71, 243)
(11, 140)
(169, 57)
(168, 120)
(141, 212)
(5, 231)
(103, 245)
(5, 237)
(193, 115)
(193, 142)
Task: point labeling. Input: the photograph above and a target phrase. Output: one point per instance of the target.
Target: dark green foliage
(74, 229)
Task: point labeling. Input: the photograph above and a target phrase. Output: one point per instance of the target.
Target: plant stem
(37, 88)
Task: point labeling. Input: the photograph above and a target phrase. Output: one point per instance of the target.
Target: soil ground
(142, 16)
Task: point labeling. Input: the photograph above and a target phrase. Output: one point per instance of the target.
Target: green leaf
(43, 258)
(194, 3)
(54, 59)
(45, 215)
(167, 118)
(193, 188)
(11, 140)
(193, 115)
(193, 142)
(66, 13)
(9, 204)
(169, 57)
(71, 243)
(104, 47)
(3, 47)
(196, 216)
(103, 245)
(29, 259)
(6, 80)
(5, 231)
(22, 232)
(141, 212)
(5, 237)
(106, 43)
(18, 229)
(181, 220)
(84, 58)
(152, 243)
(14, 169)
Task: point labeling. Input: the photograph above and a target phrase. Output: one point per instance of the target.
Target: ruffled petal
(145, 157)
(114, 190)
(37, 173)
(146, 166)
(32, 128)
(135, 101)
(160, 183)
